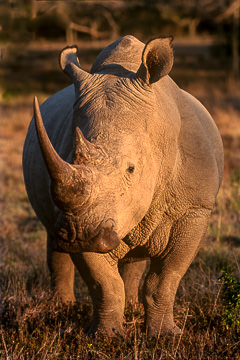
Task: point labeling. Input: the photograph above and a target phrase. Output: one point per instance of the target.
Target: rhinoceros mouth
(74, 247)
(103, 239)
(106, 241)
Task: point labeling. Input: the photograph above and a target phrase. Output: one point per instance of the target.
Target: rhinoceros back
(57, 117)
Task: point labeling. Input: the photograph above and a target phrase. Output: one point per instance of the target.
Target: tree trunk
(33, 15)
(235, 40)
(192, 27)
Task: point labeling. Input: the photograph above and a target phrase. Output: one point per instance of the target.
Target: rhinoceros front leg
(166, 272)
(62, 273)
(107, 292)
(132, 274)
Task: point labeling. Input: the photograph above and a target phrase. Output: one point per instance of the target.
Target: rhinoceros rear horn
(69, 63)
(84, 149)
(157, 60)
(58, 169)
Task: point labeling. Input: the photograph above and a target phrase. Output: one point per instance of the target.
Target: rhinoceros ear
(69, 63)
(157, 60)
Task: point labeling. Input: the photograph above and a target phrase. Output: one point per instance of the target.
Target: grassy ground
(33, 325)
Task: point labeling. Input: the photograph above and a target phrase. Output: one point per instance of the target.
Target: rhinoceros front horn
(58, 169)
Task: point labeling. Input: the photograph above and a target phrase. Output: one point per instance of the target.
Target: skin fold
(123, 166)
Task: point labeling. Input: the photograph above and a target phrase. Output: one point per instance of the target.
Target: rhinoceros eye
(131, 169)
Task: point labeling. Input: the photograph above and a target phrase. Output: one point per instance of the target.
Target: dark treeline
(69, 20)
(72, 21)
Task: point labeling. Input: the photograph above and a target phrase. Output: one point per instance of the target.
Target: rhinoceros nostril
(108, 224)
(72, 232)
(67, 232)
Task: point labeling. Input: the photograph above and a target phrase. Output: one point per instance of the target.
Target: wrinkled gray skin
(142, 184)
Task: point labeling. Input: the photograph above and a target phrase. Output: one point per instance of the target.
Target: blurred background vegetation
(33, 31)
(28, 20)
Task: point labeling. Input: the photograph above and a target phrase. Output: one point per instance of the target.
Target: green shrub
(230, 298)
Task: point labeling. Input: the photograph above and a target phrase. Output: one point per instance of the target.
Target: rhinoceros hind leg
(165, 272)
(132, 274)
(62, 273)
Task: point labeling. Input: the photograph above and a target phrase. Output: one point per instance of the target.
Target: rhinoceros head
(109, 186)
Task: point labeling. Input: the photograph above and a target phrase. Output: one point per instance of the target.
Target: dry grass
(35, 326)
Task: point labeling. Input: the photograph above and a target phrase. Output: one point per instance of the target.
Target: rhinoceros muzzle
(70, 239)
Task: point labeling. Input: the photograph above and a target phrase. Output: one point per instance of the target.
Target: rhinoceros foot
(164, 330)
(62, 297)
(111, 329)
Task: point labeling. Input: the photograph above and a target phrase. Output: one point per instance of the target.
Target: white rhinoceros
(127, 169)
